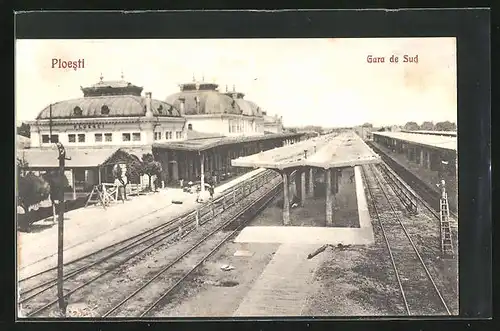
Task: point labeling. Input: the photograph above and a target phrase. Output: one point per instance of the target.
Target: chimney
(182, 100)
(149, 112)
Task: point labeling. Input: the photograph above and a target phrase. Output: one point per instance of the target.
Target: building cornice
(104, 120)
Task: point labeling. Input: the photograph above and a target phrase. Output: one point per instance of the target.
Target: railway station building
(193, 132)
(433, 153)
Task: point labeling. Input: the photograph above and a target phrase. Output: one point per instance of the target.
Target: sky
(326, 82)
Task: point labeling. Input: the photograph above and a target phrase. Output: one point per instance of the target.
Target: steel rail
(67, 294)
(374, 204)
(144, 233)
(74, 273)
(173, 287)
(412, 243)
(169, 233)
(180, 257)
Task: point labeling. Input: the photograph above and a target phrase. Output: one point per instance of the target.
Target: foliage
(134, 171)
(411, 126)
(367, 125)
(151, 167)
(428, 126)
(57, 184)
(24, 130)
(445, 126)
(22, 165)
(31, 190)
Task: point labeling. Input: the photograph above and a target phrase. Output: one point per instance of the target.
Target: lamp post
(60, 231)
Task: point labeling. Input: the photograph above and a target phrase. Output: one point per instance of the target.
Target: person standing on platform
(211, 190)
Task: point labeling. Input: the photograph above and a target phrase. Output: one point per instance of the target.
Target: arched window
(190, 126)
(77, 111)
(104, 110)
(160, 109)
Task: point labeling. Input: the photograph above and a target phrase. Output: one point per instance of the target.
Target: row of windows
(234, 127)
(168, 135)
(98, 137)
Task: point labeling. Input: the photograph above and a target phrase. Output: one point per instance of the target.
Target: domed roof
(204, 102)
(203, 98)
(107, 106)
(108, 99)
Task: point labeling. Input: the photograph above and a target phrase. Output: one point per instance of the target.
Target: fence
(404, 192)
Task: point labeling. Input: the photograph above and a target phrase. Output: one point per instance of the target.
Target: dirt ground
(213, 292)
(361, 281)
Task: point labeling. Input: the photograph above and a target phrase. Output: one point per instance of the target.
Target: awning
(48, 158)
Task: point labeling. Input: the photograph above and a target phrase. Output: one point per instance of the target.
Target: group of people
(190, 187)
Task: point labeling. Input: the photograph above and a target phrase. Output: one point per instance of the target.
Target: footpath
(90, 229)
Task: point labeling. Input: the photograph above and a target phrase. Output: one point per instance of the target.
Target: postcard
(236, 177)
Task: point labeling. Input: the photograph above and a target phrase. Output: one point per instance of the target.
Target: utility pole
(60, 234)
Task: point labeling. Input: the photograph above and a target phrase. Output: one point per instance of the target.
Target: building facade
(194, 131)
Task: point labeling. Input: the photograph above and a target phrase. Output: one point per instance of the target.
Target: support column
(286, 199)
(212, 162)
(311, 182)
(428, 160)
(202, 170)
(329, 198)
(421, 161)
(303, 187)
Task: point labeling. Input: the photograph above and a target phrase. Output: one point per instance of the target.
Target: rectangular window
(108, 137)
(169, 135)
(157, 135)
(72, 138)
(178, 134)
(126, 136)
(46, 140)
(98, 137)
(81, 138)
(136, 136)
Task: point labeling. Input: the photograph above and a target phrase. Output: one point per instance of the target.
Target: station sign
(85, 126)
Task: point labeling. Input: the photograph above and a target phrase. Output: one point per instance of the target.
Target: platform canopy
(329, 151)
(426, 140)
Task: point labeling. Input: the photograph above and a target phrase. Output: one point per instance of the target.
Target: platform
(275, 293)
(329, 151)
(317, 235)
(426, 140)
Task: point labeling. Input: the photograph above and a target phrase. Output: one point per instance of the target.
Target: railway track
(155, 292)
(40, 296)
(419, 292)
(428, 197)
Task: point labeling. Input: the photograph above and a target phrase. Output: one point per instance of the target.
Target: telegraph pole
(60, 234)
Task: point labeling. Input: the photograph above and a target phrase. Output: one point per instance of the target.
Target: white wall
(117, 130)
(241, 125)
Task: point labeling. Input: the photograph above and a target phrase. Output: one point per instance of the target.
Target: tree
(23, 130)
(57, 184)
(411, 126)
(428, 126)
(367, 125)
(446, 126)
(31, 190)
(134, 171)
(150, 167)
